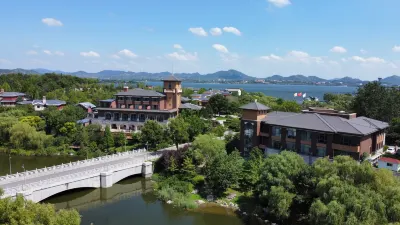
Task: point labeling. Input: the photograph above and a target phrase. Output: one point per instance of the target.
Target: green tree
(188, 170)
(34, 121)
(252, 169)
(279, 201)
(218, 103)
(233, 124)
(21, 134)
(108, 138)
(197, 126)
(178, 130)
(209, 146)
(120, 139)
(6, 86)
(201, 91)
(223, 171)
(152, 134)
(219, 131)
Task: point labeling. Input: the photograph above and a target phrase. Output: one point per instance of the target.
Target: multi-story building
(10, 98)
(130, 109)
(313, 133)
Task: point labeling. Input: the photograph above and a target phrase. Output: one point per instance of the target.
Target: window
(276, 131)
(108, 116)
(125, 117)
(146, 99)
(133, 117)
(291, 146)
(346, 140)
(116, 116)
(155, 107)
(291, 133)
(169, 85)
(142, 118)
(389, 164)
(306, 136)
(322, 138)
(139, 99)
(137, 106)
(276, 144)
(321, 152)
(305, 149)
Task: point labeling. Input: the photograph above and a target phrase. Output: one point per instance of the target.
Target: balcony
(346, 148)
(169, 90)
(264, 134)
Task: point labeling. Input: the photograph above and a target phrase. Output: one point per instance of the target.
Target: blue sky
(330, 38)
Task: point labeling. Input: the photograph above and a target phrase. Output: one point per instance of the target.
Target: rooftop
(171, 78)
(49, 102)
(140, 92)
(190, 106)
(389, 160)
(137, 110)
(11, 94)
(332, 124)
(107, 100)
(87, 105)
(255, 106)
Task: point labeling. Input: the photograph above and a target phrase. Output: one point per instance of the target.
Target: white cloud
(216, 31)
(363, 51)
(183, 56)
(271, 57)
(59, 53)
(31, 52)
(90, 54)
(335, 63)
(280, 3)
(199, 31)
(52, 22)
(47, 52)
(178, 46)
(115, 56)
(127, 53)
(396, 48)
(232, 30)
(220, 48)
(368, 60)
(298, 54)
(338, 49)
(5, 61)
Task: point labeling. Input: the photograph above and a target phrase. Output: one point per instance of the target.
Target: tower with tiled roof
(173, 92)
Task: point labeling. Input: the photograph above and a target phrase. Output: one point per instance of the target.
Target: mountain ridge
(219, 75)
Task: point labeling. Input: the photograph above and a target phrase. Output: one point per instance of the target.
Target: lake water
(276, 90)
(130, 201)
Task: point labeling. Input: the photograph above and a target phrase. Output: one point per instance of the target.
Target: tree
(252, 169)
(108, 138)
(34, 121)
(120, 139)
(223, 171)
(197, 126)
(219, 131)
(178, 130)
(152, 134)
(201, 91)
(6, 86)
(233, 124)
(218, 103)
(279, 201)
(21, 134)
(21, 211)
(188, 170)
(288, 106)
(209, 146)
(393, 135)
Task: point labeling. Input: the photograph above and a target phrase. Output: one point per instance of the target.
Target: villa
(10, 98)
(312, 133)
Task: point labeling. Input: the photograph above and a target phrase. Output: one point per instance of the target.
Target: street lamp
(23, 167)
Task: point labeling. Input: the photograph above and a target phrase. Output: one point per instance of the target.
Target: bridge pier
(106, 180)
(147, 169)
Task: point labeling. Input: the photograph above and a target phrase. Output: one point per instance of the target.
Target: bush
(385, 148)
(198, 180)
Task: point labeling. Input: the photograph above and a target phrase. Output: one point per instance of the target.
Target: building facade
(130, 109)
(10, 98)
(313, 134)
(40, 105)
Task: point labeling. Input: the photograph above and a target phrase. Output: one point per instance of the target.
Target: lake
(276, 90)
(130, 201)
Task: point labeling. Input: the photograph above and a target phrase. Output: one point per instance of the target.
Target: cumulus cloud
(280, 3)
(396, 48)
(199, 31)
(271, 57)
(31, 52)
(183, 56)
(232, 30)
(338, 49)
(216, 31)
(367, 60)
(90, 54)
(59, 53)
(51, 22)
(178, 46)
(220, 48)
(47, 52)
(127, 53)
(115, 56)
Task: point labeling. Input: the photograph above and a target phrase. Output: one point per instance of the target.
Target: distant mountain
(228, 75)
(18, 70)
(347, 80)
(394, 79)
(295, 78)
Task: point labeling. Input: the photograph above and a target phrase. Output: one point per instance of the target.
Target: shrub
(198, 180)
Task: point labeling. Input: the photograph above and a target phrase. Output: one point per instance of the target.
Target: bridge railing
(67, 166)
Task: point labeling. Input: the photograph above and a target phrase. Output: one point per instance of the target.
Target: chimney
(1, 91)
(44, 100)
(126, 88)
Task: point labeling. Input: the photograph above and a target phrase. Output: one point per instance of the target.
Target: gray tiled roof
(107, 100)
(255, 106)
(140, 92)
(332, 124)
(87, 105)
(11, 94)
(49, 102)
(184, 99)
(190, 106)
(171, 78)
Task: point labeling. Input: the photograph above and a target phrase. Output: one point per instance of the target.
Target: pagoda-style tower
(252, 115)
(173, 92)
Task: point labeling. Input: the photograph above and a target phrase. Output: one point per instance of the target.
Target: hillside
(394, 79)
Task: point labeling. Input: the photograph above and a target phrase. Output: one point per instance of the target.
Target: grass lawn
(195, 197)
(220, 118)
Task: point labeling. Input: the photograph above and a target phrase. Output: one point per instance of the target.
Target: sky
(329, 38)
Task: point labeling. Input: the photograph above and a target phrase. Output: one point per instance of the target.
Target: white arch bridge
(101, 172)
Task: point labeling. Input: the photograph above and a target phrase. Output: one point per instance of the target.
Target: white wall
(382, 164)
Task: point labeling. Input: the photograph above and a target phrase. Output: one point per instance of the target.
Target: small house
(389, 163)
